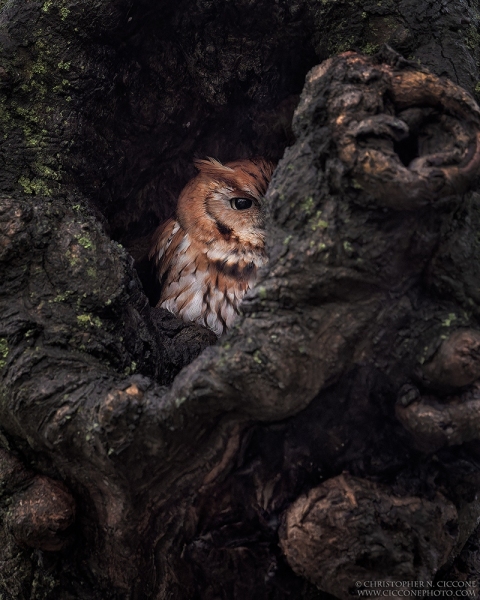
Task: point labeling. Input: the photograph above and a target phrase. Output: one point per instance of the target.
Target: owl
(208, 255)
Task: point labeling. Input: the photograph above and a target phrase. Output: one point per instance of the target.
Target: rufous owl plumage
(208, 255)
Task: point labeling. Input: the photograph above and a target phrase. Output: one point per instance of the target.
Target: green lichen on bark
(37, 100)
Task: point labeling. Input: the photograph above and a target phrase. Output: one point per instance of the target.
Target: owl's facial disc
(236, 213)
(222, 205)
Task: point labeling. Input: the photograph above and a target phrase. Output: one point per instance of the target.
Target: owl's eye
(241, 203)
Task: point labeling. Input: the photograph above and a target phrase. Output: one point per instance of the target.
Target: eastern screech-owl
(207, 257)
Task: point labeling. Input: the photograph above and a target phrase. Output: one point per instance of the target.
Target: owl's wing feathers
(191, 294)
(181, 270)
(194, 287)
(164, 244)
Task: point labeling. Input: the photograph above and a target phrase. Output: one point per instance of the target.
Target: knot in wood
(448, 412)
(349, 529)
(407, 136)
(41, 515)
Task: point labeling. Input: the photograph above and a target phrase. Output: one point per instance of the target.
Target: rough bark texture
(126, 469)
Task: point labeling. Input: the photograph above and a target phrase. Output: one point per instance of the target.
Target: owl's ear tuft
(212, 166)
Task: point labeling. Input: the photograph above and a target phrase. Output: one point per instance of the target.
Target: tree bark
(332, 436)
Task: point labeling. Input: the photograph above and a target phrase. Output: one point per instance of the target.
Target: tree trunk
(333, 436)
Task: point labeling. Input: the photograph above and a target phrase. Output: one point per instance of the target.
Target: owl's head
(223, 203)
